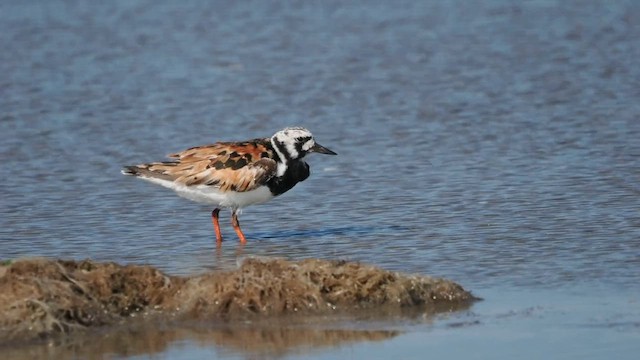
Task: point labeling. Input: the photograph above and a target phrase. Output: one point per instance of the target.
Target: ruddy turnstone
(235, 174)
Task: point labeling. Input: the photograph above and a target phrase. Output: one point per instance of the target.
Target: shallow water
(488, 142)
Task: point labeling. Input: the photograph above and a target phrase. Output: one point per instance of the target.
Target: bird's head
(296, 142)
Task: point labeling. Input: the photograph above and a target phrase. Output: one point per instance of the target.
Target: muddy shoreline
(44, 299)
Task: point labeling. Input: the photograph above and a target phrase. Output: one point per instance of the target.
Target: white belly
(213, 196)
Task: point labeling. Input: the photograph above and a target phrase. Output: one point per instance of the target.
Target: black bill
(321, 150)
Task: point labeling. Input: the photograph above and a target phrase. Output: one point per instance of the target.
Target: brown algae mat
(41, 297)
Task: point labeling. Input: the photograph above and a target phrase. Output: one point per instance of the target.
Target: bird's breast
(296, 172)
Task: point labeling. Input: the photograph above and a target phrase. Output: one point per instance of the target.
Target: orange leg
(216, 226)
(236, 227)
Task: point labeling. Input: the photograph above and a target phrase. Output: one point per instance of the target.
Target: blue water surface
(491, 142)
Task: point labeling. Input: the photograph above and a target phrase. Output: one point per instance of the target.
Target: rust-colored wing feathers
(227, 166)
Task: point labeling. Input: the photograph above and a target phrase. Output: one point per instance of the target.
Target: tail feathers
(131, 170)
(146, 171)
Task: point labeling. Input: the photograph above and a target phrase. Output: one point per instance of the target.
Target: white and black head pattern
(293, 143)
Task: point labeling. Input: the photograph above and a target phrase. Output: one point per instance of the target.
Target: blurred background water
(491, 142)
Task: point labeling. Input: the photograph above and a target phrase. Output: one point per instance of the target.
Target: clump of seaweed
(40, 297)
(275, 286)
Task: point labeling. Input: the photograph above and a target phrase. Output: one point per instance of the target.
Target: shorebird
(235, 174)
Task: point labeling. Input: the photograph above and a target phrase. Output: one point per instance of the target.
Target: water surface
(493, 143)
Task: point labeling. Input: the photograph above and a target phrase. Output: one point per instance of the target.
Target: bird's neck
(284, 157)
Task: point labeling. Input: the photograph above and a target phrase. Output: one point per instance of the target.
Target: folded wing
(228, 166)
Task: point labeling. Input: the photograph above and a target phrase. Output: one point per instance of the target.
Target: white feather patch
(213, 196)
